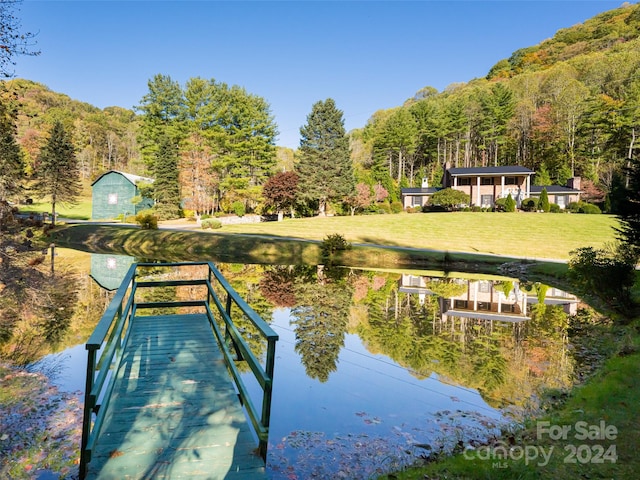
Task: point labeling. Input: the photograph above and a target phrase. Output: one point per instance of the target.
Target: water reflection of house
(555, 296)
(109, 270)
(485, 299)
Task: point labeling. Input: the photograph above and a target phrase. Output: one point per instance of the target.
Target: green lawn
(532, 235)
(80, 211)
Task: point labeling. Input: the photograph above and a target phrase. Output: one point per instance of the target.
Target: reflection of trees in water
(320, 321)
(506, 362)
(277, 285)
(246, 280)
(36, 307)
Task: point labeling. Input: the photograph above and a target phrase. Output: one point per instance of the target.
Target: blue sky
(366, 55)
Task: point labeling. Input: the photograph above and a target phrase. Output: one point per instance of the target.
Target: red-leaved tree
(281, 192)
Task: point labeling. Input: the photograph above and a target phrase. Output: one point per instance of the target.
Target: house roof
(555, 189)
(419, 191)
(129, 176)
(506, 170)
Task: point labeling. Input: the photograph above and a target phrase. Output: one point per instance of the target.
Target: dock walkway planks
(174, 412)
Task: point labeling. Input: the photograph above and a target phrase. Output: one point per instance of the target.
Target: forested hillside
(569, 106)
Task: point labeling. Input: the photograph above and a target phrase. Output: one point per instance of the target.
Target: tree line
(567, 107)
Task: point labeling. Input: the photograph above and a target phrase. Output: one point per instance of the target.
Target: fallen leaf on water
(115, 453)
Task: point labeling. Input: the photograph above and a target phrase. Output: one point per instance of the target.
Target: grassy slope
(610, 397)
(530, 235)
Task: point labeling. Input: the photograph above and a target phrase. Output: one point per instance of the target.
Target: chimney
(425, 182)
(574, 183)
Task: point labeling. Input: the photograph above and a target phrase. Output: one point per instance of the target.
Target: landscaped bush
(500, 205)
(543, 203)
(509, 204)
(529, 204)
(476, 208)
(147, 220)
(415, 209)
(583, 207)
(590, 208)
(396, 207)
(333, 243)
(211, 223)
(238, 208)
(434, 208)
(384, 207)
(554, 208)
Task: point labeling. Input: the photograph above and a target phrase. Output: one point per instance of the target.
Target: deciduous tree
(281, 191)
(13, 41)
(449, 198)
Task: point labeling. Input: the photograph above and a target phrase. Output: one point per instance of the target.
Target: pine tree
(11, 162)
(11, 165)
(166, 186)
(58, 175)
(325, 168)
(629, 212)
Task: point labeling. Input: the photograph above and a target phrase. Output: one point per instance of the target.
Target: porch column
(478, 200)
(527, 192)
(502, 185)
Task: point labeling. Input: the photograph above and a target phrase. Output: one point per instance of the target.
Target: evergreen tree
(11, 162)
(166, 185)
(629, 216)
(58, 175)
(325, 168)
(509, 204)
(162, 112)
(544, 201)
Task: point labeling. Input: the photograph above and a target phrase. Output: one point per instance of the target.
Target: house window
(464, 181)
(484, 306)
(486, 181)
(112, 199)
(460, 304)
(508, 308)
(561, 201)
(486, 200)
(417, 202)
(510, 180)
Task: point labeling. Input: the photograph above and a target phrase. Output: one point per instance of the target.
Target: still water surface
(374, 368)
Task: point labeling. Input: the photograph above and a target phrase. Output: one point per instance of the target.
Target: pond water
(375, 368)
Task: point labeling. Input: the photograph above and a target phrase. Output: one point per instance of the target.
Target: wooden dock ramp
(173, 410)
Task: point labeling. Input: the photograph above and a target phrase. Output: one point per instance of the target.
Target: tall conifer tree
(166, 186)
(58, 175)
(11, 162)
(325, 168)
